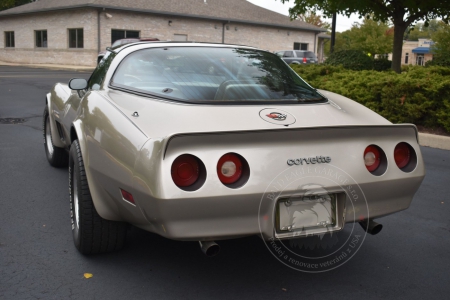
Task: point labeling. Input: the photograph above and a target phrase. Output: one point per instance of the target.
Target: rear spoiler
(169, 138)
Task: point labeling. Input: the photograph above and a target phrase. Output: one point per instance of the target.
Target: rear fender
(109, 144)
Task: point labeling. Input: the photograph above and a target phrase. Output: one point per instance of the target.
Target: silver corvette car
(205, 142)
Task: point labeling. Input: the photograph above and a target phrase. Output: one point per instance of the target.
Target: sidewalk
(434, 141)
(50, 66)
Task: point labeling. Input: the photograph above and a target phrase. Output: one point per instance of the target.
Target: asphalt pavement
(409, 259)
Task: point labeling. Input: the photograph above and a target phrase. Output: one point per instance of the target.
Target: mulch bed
(437, 131)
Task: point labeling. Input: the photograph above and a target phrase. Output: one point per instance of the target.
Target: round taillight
(229, 168)
(185, 170)
(372, 158)
(402, 155)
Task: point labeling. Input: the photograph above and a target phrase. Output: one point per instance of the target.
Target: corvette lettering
(309, 160)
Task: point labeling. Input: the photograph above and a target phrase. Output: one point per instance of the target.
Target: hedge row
(418, 95)
(358, 61)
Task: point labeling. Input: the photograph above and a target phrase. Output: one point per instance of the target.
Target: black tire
(91, 233)
(57, 157)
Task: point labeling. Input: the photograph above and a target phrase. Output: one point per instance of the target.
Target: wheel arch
(54, 131)
(73, 134)
(106, 209)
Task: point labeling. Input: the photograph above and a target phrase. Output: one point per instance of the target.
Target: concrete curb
(434, 141)
(51, 67)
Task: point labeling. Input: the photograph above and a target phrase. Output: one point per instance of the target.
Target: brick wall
(203, 31)
(57, 25)
(267, 38)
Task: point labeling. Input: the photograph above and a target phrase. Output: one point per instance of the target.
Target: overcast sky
(342, 22)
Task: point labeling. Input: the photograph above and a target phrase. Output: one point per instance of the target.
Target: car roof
(159, 44)
(294, 50)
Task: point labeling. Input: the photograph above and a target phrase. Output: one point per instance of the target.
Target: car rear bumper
(243, 215)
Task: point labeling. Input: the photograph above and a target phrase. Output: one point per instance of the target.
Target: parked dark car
(298, 56)
(123, 42)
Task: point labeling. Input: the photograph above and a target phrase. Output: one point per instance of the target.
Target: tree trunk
(399, 31)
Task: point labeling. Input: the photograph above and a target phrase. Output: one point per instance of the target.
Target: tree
(441, 48)
(7, 4)
(371, 37)
(420, 31)
(312, 18)
(402, 13)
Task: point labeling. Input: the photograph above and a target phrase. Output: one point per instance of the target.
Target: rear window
(212, 75)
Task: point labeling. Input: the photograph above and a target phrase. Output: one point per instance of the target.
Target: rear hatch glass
(213, 75)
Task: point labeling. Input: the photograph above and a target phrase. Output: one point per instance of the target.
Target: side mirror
(77, 84)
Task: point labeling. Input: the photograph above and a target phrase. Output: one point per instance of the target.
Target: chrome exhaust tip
(371, 227)
(209, 248)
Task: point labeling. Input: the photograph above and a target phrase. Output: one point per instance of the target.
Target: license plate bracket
(308, 214)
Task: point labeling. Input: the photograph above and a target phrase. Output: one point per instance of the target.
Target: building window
(9, 39)
(123, 34)
(406, 58)
(300, 46)
(180, 37)
(41, 38)
(76, 38)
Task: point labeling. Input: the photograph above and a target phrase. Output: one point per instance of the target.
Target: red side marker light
(127, 196)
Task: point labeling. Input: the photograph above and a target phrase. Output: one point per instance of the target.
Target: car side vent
(60, 131)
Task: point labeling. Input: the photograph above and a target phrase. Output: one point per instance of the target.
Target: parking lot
(409, 259)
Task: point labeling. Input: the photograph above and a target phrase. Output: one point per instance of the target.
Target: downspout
(98, 32)
(315, 42)
(223, 31)
(323, 50)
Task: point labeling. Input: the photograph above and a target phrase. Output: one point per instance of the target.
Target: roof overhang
(164, 13)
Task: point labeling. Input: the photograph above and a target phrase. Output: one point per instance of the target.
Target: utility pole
(333, 33)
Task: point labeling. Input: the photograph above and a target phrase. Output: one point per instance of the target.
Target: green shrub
(418, 95)
(382, 64)
(350, 59)
(443, 61)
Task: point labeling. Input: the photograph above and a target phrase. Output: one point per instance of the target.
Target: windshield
(205, 74)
